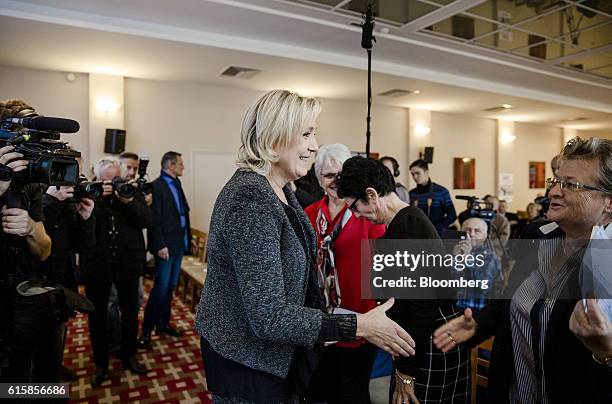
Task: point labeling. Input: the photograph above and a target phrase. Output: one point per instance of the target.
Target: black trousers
(37, 360)
(98, 292)
(343, 375)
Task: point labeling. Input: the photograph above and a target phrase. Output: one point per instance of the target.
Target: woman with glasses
(431, 375)
(551, 346)
(261, 311)
(343, 374)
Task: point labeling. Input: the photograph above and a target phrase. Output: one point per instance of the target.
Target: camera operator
(130, 163)
(23, 242)
(120, 217)
(71, 227)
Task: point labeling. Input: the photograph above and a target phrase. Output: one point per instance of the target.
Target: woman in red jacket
(343, 374)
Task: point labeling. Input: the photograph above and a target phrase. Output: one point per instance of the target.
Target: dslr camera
(142, 183)
(50, 161)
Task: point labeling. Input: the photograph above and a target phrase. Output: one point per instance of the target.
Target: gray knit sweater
(251, 310)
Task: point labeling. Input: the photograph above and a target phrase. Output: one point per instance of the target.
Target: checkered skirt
(446, 378)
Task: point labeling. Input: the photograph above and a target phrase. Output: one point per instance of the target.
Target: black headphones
(394, 163)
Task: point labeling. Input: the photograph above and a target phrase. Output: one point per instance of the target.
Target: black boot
(134, 366)
(99, 377)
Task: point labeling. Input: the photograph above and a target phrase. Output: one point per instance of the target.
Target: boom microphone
(46, 123)
(367, 29)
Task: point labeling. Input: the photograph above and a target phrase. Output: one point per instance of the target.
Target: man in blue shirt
(431, 198)
(169, 240)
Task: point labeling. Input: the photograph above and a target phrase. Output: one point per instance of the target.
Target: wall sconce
(421, 129)
(507, 137)
(106, 105)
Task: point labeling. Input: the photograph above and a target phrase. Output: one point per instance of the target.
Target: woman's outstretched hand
(456, 331)
(383, 332)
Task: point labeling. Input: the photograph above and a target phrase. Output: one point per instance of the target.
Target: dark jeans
(343, 375)
(98, 292)
(157, 313)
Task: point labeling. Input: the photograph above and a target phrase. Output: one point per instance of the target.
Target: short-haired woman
(343, 374)
(549, 347)
(431, 375)
(261, 311)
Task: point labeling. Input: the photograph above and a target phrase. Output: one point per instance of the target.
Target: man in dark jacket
(433, 199)
(117, 259)
(169, 239)
(71, 228)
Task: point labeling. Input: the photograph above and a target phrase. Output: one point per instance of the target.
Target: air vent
(500, 108)
(240, 72)
(396, 92)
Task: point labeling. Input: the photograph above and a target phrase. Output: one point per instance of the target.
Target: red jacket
(347, 252)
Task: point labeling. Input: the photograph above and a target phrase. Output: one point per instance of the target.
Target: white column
(106, 111)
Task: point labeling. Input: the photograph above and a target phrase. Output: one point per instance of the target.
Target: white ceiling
(194, 40)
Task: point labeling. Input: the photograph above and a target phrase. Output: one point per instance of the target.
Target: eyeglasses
(572, 186)
(330, 176)
(353, 206)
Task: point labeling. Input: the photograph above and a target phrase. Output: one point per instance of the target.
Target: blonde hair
(272, 123)
(103, 163)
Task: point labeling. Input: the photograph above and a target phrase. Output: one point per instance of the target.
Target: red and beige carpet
(175, 366)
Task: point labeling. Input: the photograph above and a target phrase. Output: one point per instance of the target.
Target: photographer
(120, 217)
(71, 227)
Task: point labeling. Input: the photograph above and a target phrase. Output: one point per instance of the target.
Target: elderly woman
(549, 347)
(430, 376)
(343, 375)
(261, 311)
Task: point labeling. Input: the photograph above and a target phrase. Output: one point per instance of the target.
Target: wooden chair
(478, 379)
(193, 270)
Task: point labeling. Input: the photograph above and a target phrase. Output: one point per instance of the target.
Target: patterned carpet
(175, 366)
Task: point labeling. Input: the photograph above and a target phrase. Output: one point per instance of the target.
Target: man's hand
(164, 254)
(122, 199)
(593, 328)
(17, 222)
(85, 208)
(9, 159)
(62, 193)
(149, 199)
(463, 247)
(107, 187)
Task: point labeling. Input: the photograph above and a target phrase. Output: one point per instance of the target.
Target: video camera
(37, 138)
(142, 183)
(479, 208)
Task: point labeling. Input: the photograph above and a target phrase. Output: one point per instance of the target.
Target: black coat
(69, 234)
(130, 219)
(570, 372)
(166, 230)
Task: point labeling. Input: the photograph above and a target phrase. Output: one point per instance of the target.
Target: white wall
(203, 120)
(51, 95)
(462, 136)
(533, 143)
(200, 120)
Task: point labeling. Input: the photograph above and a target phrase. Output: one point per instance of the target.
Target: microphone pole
(366, 42)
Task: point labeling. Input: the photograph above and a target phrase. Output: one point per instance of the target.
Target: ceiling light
(240, 72)
(507, 106)
(500, 108)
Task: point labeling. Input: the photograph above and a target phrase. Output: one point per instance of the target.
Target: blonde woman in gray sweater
(261, 312)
